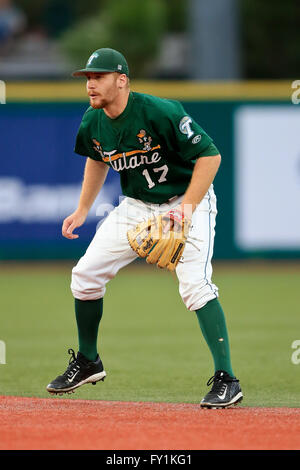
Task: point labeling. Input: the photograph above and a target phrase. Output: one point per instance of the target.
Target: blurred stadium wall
(255, 125)
(232, 63)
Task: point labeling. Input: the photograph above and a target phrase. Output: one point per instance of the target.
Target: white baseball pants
(109, 251)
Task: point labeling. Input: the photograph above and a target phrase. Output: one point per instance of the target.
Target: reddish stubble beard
(105, 91)
(98, 102)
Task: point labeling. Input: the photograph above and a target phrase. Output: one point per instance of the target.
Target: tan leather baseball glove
(161, 240)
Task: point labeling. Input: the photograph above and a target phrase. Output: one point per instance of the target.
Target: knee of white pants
(195, 296)
(85, 286)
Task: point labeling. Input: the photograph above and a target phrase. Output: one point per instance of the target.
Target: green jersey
(153, 144)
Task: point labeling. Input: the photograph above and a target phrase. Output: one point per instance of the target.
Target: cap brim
(83, 72)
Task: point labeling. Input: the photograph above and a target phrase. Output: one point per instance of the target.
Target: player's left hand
(161, 240)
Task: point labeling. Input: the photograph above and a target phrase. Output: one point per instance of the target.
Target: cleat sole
(93, 380)
(211, 406)
(100, 380)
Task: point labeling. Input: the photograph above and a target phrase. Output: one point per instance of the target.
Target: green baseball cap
(104, 60)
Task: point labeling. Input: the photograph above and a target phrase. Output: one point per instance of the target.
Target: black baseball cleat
(225, 392)
(80, 371)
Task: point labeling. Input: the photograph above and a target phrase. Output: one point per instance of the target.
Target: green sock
(213, 325)
(88, 315)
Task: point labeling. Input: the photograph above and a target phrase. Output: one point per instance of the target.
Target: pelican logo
(97, 147)
(144, 139)
(185, 126)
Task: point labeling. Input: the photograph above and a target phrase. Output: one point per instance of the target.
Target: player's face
(102, 88)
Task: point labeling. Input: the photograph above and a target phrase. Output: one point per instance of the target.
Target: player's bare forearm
(203, 175)
(94, 177)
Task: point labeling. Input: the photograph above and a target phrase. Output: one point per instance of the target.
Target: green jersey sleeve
(185, 135)
(211, 151)
(85, 145)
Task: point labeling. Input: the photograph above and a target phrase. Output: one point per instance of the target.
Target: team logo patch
(93, 56)
(144, 139)
(185, 126)
(196, 139)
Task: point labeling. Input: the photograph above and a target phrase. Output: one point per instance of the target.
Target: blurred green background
(151, 346)
(263, 36)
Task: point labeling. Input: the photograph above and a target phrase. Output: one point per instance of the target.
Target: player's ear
(122, 80)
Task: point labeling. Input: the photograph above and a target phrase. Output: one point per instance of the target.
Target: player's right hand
(71, 222)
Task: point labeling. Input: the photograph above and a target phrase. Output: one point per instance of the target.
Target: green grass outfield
(151, 346)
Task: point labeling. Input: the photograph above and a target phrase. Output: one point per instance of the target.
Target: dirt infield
(67, 424)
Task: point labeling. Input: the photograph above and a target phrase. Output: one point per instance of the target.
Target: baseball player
(167, 164)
